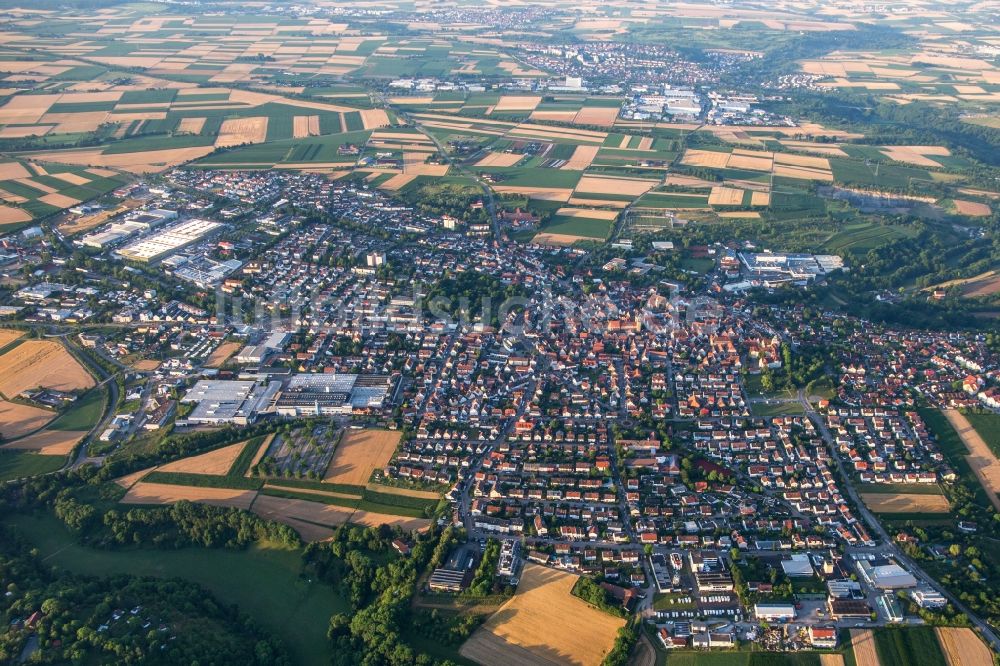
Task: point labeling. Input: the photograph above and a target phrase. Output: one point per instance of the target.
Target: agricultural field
(541, 625)
(981, 457)
(889, 503)
(963, 647)
(19, 464)
(988, 427)
(41, 364)
(231, 476)
(569, 225)
(916, 646)
(359, 454)
(30, 190)
(863, 642)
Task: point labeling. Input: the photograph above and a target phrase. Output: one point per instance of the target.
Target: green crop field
(988, 427)
(264, 581)
(20, 464)
(864, 236)
(917, 646)
(578, 226)
(83, 414)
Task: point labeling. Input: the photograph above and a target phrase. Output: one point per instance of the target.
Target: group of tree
(119, 619)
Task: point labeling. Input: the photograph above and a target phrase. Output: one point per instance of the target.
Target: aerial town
(468, 343)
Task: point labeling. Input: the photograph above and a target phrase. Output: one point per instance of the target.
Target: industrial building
(219, 402)
(155, 246)
(330, 394)
(774, 612)
(885, 576)
(774, 269)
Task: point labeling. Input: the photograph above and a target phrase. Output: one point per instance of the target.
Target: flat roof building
(218, 401)
(154, 246)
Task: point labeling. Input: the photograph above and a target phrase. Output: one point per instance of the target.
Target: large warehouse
(218, 402)
(885, 576)
(332, 393)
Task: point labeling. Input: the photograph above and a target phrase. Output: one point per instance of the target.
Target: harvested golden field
(41, 363)
(863, 642)
(191, 125)
(25, 131)
(751, 162)
(916, 155)
(241, 131)
(8, 335)
(303, 126)
(18, 420)
(581, 158)
(554, 116)
(705, 158)
(49, 442)
(150, 161)
(725, 196)
(905, 503)
(283, 510)
(166, 493)
(146, 365)
(517, 103)
(687, 181)
(803, 161)
(359, 453)
(557, 240)
(972, 208)
(740, 215)
(11, 215)
(217, 462)
(810, 147)
(828, 659)
(540, 193)
(398, 182)
(981, 458)
(372, 118)
(588, 213)
(600, 185)
(72, 178)
(59, 200)
(760, 199)
(499, 160)
(604, 116)
(13, 171)
(222, 354)
(963, 647)
(370, 519)
(543, 624)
